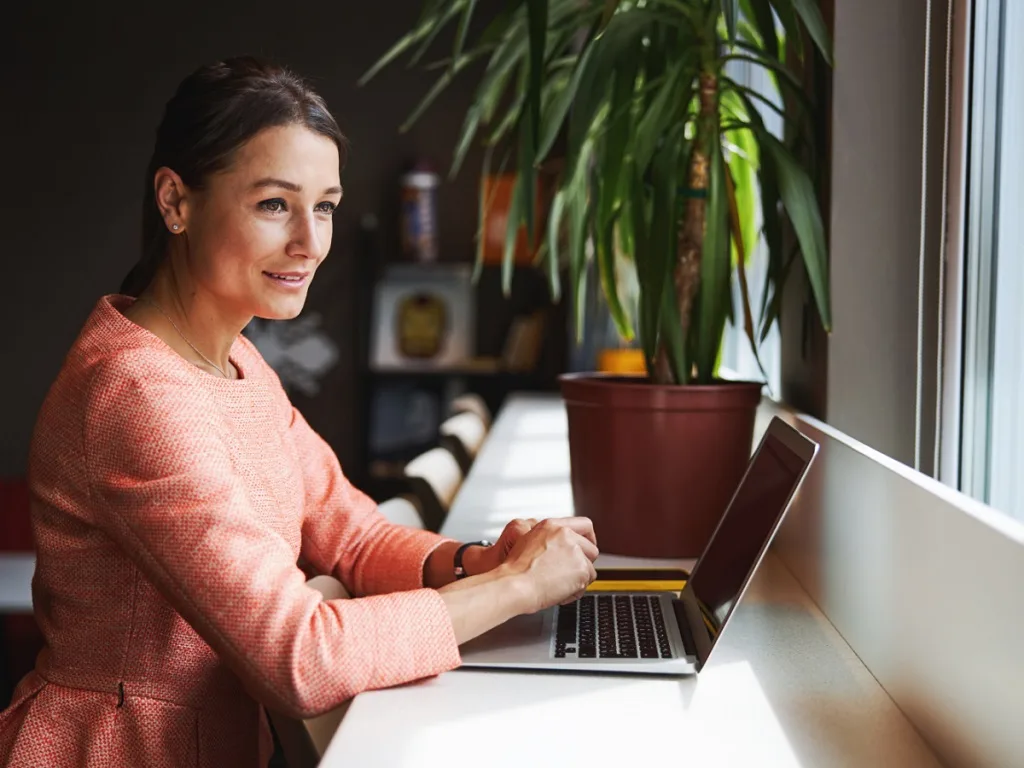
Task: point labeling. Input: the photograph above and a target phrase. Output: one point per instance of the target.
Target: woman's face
(258, 231)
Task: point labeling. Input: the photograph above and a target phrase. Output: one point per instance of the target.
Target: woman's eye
(277, 205)
(327, 207)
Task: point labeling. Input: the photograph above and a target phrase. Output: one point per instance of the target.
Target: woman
(175, 487)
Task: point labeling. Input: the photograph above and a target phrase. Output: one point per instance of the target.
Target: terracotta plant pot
(654, 466)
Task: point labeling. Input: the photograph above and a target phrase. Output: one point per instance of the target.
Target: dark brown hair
(216, 110)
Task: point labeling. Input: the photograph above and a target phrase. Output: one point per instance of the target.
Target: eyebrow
(291, 186)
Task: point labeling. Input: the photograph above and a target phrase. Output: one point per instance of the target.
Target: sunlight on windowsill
(721, 718)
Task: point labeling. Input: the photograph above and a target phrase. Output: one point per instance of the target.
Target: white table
(781, 689)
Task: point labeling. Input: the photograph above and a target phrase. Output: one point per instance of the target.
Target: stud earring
(175, 227)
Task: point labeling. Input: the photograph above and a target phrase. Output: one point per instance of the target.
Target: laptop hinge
(689, 644)
(691, 627)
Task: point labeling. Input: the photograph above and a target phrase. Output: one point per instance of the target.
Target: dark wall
(83, 90)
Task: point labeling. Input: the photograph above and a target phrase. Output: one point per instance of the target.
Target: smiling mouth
(288, 280)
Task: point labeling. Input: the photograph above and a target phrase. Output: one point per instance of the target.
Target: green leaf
(554, 228)
(442, 82)
(773, 307)
(608, 12)
(635, 208)
(801, 202)
(498, 28)
(512, 48)
(450, 13)
(622, 39)
(664, 244)
(469, 129)
(743, 160)
(624, 221)
(555, 112)
(577, 201)
(694, 12)
(514, 111)
(751, 94)
(463, 30)
(663, 111)
(730, 8)
(715, 264)
(577, 257)
(793, 36)
(771, 224)
(616, 139)
(527, 174)
(429, 17)
(537, 16)
(786, 77)
(742, 163)
(515, 217)
(483, 210)
(759, 13)
(671, 333)
(810, 14)
(393, 53)
(736, 229)
(605, 237)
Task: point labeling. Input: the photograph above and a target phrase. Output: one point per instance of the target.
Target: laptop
(663, 633)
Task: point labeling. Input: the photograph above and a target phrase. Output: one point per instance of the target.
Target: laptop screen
(746, 528)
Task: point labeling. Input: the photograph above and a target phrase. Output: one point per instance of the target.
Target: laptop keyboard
(611, 627)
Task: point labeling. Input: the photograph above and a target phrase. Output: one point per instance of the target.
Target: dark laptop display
(745, 530)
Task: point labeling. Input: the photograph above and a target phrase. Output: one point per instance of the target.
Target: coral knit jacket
(169, 508)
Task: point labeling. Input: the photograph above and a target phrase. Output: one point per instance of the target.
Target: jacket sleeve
(344, 535)
(165, 490)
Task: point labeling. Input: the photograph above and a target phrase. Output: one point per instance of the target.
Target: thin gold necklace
(183, 336)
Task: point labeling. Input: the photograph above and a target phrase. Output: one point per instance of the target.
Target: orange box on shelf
(497, 198)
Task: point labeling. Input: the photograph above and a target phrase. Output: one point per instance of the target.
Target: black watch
(460, 571)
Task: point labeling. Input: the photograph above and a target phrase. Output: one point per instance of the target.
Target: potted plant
(668, 176)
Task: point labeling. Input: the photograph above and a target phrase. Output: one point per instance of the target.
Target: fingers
(591, 576)
(581, 525)
(588, 547)
(518, 528)
(514, 531)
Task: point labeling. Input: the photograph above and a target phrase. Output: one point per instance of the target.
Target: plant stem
(686, 273)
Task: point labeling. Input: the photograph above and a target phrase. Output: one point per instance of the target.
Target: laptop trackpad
(518, 638)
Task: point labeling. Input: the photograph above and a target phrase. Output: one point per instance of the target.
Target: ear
(172, 198)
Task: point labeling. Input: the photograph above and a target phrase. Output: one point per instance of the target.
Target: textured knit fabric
(170, 507)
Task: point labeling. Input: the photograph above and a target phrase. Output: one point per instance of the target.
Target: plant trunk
(686, 274)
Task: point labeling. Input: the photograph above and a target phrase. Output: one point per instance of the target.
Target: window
(737, 356)
(991, 413)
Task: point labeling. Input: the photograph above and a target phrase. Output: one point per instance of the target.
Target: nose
(307, 241)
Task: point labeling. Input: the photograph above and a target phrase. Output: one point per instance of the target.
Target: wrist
(477, 560)
(518, 585)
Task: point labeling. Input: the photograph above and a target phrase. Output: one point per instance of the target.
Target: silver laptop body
(660, 633)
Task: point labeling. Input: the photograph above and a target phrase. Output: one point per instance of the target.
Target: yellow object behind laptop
(639, 580)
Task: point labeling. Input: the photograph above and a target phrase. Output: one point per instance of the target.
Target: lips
(288, 281)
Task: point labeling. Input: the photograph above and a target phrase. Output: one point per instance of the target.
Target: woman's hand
(554, 558)
(483, 559)
(532, 566)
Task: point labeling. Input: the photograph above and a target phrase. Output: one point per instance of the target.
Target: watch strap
(460, 569)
